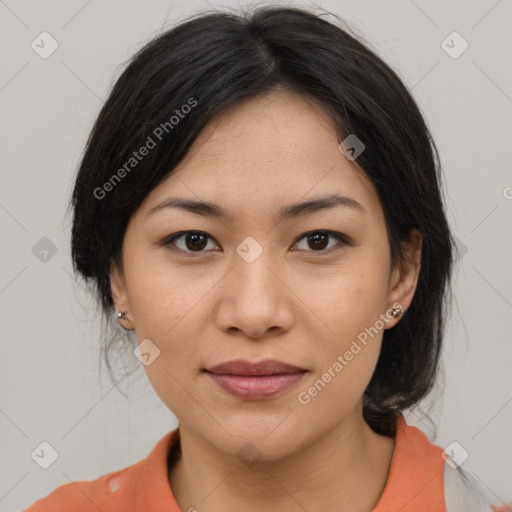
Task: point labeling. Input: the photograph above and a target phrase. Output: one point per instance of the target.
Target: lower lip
(256, 387)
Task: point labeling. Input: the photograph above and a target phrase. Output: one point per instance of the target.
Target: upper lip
(243, 367)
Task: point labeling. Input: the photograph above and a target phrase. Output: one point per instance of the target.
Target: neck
(345, 469)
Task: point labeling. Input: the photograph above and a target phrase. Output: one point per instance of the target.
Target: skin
(295, 302)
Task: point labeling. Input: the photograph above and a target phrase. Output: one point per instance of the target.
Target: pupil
(315, 238)
(195, 237)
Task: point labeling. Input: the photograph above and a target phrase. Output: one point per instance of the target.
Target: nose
(255, 299)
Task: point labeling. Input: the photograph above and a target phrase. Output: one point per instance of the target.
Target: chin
(260, 440)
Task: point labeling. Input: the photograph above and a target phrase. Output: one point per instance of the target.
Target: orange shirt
(414, 484)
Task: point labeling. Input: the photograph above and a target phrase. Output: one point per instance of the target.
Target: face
(311, 287)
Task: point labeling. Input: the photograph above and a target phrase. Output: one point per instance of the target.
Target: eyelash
(169, 241)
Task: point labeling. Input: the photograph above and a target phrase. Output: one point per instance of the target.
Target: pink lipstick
(255, 381)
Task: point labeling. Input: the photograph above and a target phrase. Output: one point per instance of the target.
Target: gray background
(51, 388)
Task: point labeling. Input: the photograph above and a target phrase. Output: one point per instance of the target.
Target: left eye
(196, 241)
(318, 239)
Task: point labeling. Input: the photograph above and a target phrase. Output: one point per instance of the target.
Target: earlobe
(120, 299)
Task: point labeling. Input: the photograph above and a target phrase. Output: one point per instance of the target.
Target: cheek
(347, 355)
(160, 295)
(169, 307)
(353, 311)
(334, 392)
(356, 297)
(165, 308)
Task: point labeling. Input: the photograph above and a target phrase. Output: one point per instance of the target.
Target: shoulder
(85, 495)
(421, 478)
(117, 491)
(461, 492)
(415, 476)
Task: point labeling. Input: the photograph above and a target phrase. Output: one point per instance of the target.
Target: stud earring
(397, 311)
(122, 315)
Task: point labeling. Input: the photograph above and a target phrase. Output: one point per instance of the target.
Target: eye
(192, 241)
(318, 240)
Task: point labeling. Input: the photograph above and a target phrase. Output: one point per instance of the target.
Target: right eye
(191, 242)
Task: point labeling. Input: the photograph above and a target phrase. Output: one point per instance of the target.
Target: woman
(259, 205)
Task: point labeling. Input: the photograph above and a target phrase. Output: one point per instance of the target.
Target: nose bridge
(253, 295)
(252, 272)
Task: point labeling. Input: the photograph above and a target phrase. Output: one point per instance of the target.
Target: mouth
(255, 381)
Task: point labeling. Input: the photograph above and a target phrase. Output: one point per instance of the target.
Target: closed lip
(265, 367)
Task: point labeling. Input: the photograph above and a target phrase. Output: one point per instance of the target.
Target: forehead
(278, 148)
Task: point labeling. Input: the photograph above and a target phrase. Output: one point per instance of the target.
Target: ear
(404, 276)
(119, 296)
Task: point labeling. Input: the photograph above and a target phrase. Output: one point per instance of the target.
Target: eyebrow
(208, 209)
